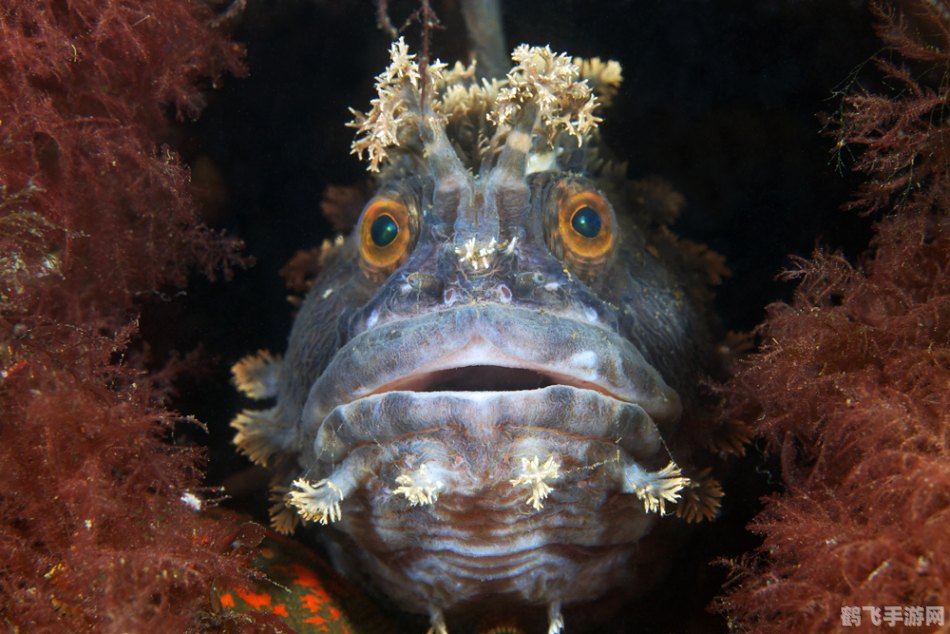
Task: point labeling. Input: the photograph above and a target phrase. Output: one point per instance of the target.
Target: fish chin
(488, 450)
(516, 493)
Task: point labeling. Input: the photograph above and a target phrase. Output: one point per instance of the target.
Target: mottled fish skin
(501, 427)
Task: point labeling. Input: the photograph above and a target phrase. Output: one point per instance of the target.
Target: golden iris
(585, 226)
(385, 234)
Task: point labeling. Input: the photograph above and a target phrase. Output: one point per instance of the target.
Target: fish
(491, 394)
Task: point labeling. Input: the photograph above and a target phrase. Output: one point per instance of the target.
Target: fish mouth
(475, 378)
(473, 375)
(490, 352)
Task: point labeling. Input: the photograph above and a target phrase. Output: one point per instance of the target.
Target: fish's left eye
(586, 221)
(585, 226)
(385, 234)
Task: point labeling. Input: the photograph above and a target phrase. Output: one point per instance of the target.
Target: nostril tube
(527, 282)
(424, 283)
(504, 293)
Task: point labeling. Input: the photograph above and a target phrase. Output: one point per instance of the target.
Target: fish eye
(385, 233)
(585, 227)
(586, 222)
(383, 230)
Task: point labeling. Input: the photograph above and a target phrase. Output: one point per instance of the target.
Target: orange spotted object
(305, 593)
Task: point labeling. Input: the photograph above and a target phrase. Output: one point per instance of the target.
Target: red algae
(850, 386)
(88, 87)
(94, 214)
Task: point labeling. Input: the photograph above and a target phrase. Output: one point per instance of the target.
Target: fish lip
(559, 409)
(576, 353)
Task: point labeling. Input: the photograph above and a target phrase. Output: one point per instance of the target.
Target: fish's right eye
(385, 235)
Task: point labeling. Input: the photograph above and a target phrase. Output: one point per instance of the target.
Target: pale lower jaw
(535, 495)
(482, 416)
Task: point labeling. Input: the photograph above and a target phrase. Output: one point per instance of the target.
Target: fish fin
(256, 374)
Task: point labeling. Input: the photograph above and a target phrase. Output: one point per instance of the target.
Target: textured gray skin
(630, 322)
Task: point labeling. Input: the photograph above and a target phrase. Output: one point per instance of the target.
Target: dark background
(719, 97)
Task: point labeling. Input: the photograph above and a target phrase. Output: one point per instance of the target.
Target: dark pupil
(586, 222)
(384, 230)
